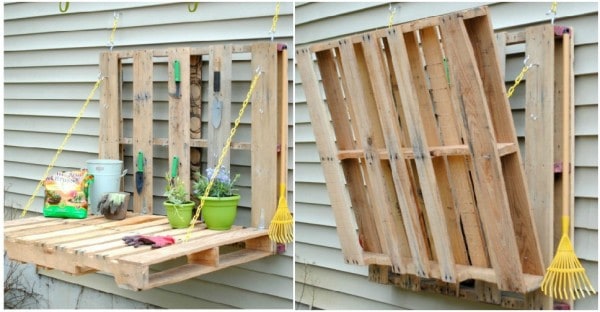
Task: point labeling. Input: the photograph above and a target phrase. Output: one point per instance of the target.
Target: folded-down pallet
(419, 151)
(79, 246)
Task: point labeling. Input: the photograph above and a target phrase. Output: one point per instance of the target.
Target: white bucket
(107, 178)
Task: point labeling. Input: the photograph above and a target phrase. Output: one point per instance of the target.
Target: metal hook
(527, 60)
(65, 9)
(258, 70)
(192, 7)
(392, 9)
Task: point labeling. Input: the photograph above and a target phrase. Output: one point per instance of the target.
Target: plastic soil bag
(66, 194)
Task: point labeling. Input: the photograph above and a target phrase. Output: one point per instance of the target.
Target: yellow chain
(223, 154)
(61, 147)
(111, 40)
(520, 77)
(392, 15)
(275, 19)
(552, 11)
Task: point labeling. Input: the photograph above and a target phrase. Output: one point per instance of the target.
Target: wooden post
(142, 126)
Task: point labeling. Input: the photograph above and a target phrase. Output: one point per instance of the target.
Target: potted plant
(178, 205)
(220, 206)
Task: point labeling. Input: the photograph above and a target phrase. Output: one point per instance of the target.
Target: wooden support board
(542, 87)
(95, 244)
(426, 161)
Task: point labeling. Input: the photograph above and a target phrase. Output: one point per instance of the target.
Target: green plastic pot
(219, 212)
(179, 215)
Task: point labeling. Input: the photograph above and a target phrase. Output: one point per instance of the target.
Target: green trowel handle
(177, 71)
(174, 166)
(140, 162)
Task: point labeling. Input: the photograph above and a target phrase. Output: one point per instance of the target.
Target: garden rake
(565, 278)
(281, 229)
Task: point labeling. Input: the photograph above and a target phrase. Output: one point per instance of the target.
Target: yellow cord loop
(274, 23)
(65, 9)
(392, 15)
(111, 40)
(61, 147)
(192, 7)
(520, 77)
(552, 11)
(223, 153)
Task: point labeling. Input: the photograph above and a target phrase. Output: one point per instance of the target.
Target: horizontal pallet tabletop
(79, 246)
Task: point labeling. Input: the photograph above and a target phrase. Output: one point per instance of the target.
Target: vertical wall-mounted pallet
(95, 243)
(185, 138)
(543, 113)
(425, 159)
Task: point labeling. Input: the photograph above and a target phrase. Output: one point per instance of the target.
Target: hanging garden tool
(281, 229)
(177, 76)
(565, 278)
(174, 170)
(139, 174)
(217, 107)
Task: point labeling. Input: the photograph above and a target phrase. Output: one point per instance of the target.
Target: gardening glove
(155, 241)
(104, 204)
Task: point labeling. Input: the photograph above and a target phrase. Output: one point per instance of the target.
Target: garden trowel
(217, 107)
(139, 174)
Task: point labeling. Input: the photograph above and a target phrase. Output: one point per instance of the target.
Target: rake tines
(565, 278)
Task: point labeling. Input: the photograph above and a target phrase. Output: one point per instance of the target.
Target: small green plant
(222, 186)
(175, 191)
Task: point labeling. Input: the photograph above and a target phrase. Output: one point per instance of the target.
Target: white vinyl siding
(51, 62)
(323, 280)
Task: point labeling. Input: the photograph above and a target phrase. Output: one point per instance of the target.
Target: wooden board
(81, 246)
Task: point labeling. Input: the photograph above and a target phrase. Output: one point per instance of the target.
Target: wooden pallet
(425, 159)
(95, 244)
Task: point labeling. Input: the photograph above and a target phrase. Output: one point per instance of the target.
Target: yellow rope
(223, 154)
(275, 19)
(61, 147)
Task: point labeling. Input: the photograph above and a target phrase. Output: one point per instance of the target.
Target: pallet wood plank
(539, 127)
(487, 177)
(435, 126)
(179, 115)
(451, 133)
(264, 143)
(193, 270)
(344, 128)
(370, 137)
(480, 32)
(110, 106)
(404, 191)
(428, 184)
(332, 170)
(219, 103)
(142, 126)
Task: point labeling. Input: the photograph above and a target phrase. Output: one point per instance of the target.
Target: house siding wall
(51, 61)
(322, 278)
